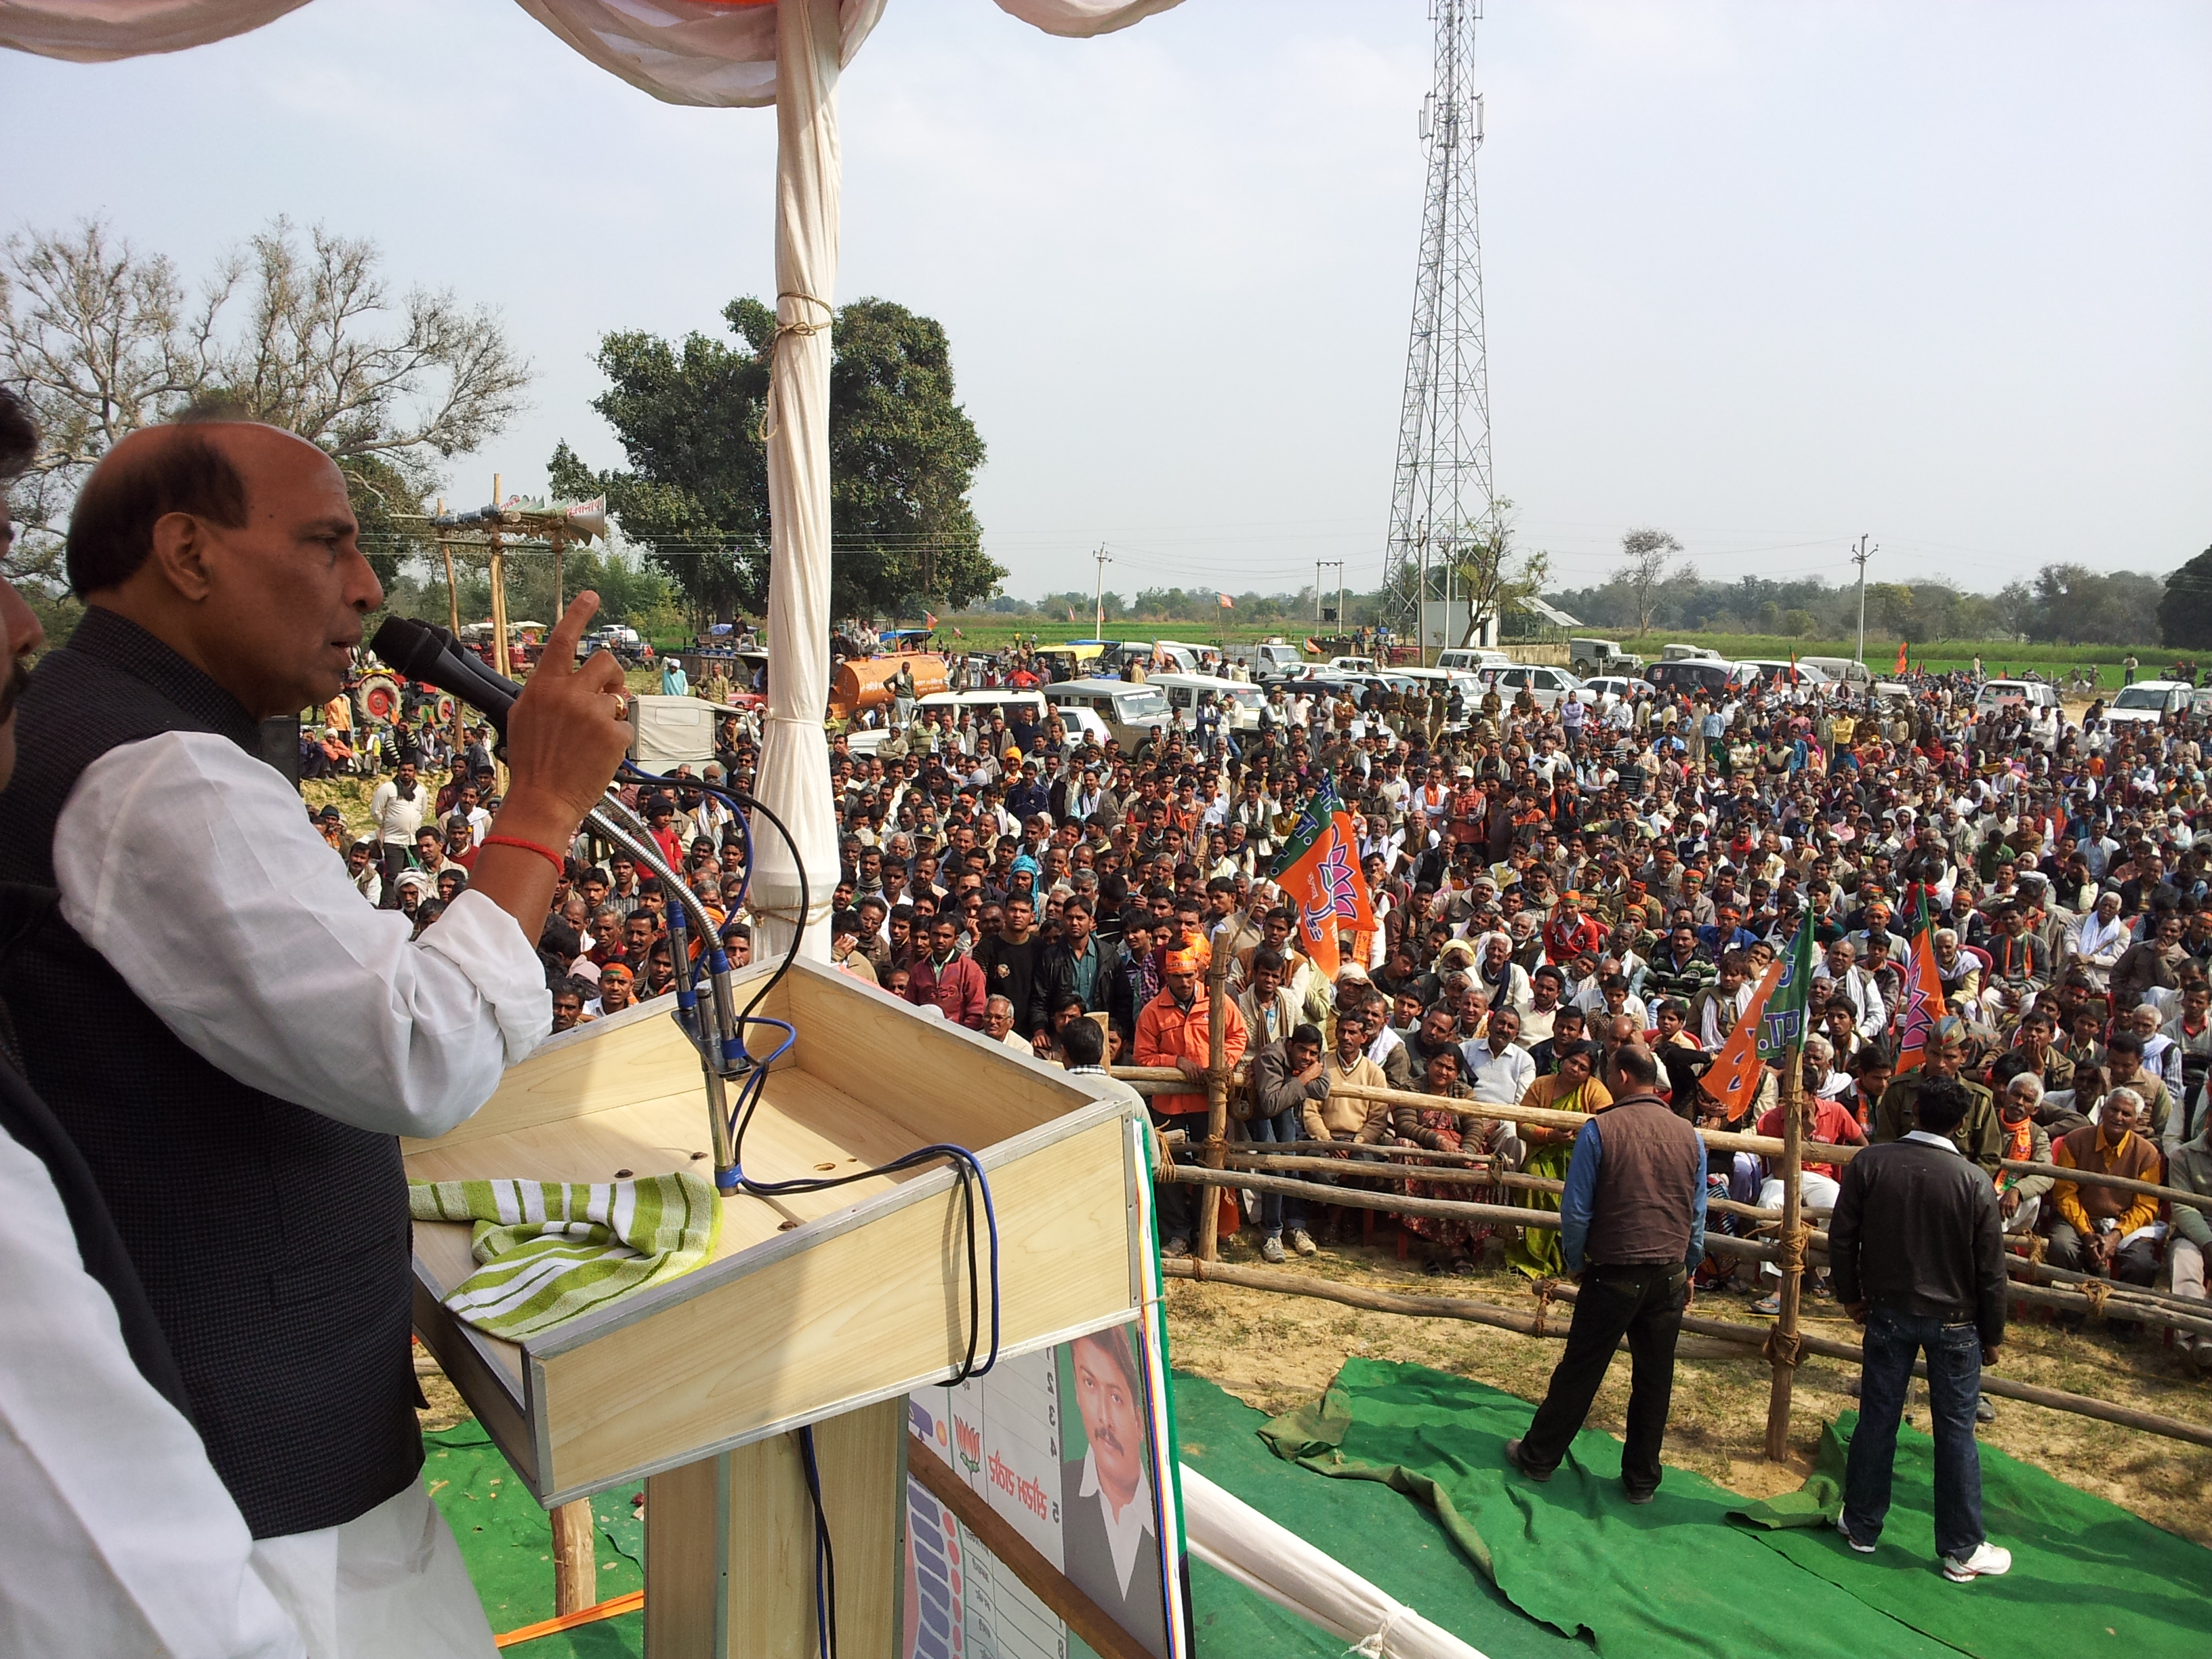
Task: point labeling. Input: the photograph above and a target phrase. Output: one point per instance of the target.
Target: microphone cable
(967, 1168)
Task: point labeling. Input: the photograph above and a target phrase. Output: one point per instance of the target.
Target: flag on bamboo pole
(1924, 987)
(1227, 604)
(1318, 871)
(1900, 656)
(1771, 1024)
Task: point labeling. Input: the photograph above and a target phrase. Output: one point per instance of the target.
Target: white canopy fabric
(715, 52)
(1232, 1537)
(682, 52)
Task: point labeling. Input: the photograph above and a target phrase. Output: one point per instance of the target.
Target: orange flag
(1900, 656)
(1319, 872)
(1787, 987)
(1924, 1006)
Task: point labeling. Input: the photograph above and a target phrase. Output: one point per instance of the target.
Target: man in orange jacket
(1175, 1028)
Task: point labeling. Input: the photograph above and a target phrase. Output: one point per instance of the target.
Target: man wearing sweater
(1917, 1250)
(2100, 1228)
(1633, 1229)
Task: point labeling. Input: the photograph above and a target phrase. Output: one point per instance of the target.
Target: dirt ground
(1276, 1351)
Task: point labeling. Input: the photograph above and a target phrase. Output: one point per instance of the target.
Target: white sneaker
(1863, 1549)
(1987, 1561)
(1302, 1242)
(1271, 1248)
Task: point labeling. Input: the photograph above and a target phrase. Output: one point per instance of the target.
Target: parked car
(2002, 694)
(1603, 690)
(1592, 657)
(1129, 711)
(1548, 686)
(1689, 674)
(2147, 701)
(1473, 661)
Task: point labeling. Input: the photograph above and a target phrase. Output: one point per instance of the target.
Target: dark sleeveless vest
(272, 1243)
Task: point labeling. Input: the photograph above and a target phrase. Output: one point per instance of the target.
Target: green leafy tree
(903, 458)
(2184, 608)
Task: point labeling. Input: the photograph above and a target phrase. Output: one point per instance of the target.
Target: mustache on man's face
(19, 676)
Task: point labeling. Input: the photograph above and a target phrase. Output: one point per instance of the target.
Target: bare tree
(103, 339)
(1488, 572)
(1645, 575)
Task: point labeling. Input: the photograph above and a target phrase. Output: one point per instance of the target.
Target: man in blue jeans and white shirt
(1916, 1249)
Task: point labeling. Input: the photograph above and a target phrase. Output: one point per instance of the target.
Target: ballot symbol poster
(1068, 1445)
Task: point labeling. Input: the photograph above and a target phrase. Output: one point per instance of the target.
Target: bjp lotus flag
(1924, 987)
(1772, 1024)
(1319, 871)
(1900, 656)
(1227, 604)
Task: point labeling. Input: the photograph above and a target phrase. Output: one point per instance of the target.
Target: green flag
(1781, 1023)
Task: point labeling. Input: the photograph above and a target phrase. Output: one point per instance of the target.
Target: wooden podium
(823, 1309)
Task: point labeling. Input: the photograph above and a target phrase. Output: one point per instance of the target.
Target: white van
(1165, 655)
(1461, 680)
(1473, 661)
(1846, 672)
(2147, 701)
(1129, 711)
(1272, 657)
(1182, 691)
(2003, 694)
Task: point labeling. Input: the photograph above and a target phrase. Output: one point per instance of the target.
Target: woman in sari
(1570, 1089)
(1452, 1242)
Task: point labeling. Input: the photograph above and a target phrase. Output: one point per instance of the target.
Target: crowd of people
(1550, 885)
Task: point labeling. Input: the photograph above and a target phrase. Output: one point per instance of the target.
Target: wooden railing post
(1217, 1096)
(1782, 1341)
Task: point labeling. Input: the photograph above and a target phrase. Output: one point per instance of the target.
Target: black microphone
(431, 655)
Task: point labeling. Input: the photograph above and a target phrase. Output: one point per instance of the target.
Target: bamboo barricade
(2109, 1304)
(1147, 1079)
(1476, 1311)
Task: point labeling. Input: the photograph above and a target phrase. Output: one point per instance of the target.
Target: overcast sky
(1766, 275)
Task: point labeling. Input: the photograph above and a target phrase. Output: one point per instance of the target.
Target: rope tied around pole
(2097, 1292)
(1791, 1248)
(1545, 1287)
(768, 423)
(2036, 1245)
(1783, 1348)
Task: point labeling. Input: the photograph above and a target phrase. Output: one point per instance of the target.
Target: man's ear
(182, 547)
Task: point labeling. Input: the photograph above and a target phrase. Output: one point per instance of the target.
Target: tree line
(2065, 604)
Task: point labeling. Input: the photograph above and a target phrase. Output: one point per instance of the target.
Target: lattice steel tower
(1442, 499)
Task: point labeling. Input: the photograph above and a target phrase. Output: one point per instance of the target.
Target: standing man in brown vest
(1631, 1229)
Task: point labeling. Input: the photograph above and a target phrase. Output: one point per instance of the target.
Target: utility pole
(1861, 558)
(1098, 601)
(1320, 565)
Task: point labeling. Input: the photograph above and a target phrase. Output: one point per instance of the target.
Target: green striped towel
(548, 1251)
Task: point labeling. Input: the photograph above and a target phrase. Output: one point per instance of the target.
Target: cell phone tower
(1442, 505)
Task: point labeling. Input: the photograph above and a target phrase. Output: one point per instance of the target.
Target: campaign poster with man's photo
(1068, 1445)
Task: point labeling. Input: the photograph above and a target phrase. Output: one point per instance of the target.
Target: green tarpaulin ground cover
(2087, 1577)
(1679, 1577)
(1421, 1503)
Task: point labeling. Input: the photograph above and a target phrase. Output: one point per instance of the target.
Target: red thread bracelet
(560, 865)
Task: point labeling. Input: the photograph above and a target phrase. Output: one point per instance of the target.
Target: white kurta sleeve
(190, 867)
(117, 1537)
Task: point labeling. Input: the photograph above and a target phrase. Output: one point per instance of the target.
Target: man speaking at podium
(231, 1037)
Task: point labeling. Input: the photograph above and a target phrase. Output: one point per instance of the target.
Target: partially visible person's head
(1940, 1106)
(21, 636)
